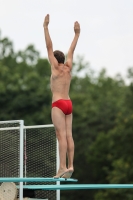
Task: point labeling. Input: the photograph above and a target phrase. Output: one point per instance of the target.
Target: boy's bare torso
(60, 82)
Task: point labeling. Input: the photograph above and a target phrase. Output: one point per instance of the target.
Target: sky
(106, 39)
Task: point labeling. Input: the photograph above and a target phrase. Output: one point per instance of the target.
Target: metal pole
(57, 167)
(21, 158)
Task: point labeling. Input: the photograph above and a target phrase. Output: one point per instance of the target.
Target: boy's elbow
(49, 46)
(70, 52)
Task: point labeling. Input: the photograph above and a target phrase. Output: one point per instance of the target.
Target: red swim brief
(64, 105)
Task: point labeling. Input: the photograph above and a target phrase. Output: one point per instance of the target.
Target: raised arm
(73, 45)
(48, 41)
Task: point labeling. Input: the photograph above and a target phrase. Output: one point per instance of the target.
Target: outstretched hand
(76, 27)
(46, 20)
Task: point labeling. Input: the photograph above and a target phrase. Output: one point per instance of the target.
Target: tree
(24, 85)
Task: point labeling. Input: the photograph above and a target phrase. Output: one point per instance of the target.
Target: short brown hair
(59, 55)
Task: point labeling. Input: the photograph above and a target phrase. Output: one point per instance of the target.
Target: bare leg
(58, 119)
(70, 142)
(70, 153)
(70, 146)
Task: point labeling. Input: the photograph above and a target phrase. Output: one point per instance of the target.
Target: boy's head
(59, 55)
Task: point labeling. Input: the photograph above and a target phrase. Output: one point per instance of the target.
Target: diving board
(78, 186)
(33, 179)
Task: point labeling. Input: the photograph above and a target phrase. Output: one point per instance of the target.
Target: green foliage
(102, 116)
(24, 85)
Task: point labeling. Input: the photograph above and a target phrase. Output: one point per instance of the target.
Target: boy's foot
(68, 174)
(60, 173)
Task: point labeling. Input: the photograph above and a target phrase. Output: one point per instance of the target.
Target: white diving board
(33, 179)
(78, 186)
